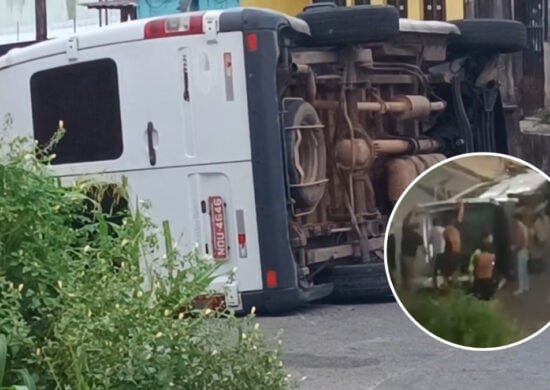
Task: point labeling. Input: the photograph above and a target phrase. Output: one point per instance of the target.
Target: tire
(358, 281)
(312, 166)
(501, 36)
(360, 24)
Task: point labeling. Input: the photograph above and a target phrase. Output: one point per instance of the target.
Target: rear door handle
(151, 143)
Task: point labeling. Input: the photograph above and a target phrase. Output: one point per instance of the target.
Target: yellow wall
(416, 9)
(454, 8)
(289, 7)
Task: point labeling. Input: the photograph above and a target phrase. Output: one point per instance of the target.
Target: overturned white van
(279, 144)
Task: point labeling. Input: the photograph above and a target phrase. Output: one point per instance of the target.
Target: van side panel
(179, 85)
(176, 195)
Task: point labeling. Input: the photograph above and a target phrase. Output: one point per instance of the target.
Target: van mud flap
(316, 292)
(283, 300)
(365, 281)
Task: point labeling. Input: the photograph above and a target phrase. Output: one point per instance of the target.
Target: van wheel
(500, 36)
(306, 152)
(358, 281)
(360, 24)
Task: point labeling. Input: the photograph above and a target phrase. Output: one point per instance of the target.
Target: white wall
(17, 19)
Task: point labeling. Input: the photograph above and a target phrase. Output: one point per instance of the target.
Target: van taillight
(187, 24)
(252, 42)
(271, 279)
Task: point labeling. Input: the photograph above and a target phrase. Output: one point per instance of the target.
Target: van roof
(234, 19)
(494, 192)
(112, 34)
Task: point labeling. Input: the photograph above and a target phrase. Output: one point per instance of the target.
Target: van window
(85, 97)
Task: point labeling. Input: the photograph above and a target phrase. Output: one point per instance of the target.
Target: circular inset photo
(468, 247)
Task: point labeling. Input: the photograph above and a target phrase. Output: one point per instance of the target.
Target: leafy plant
(23, 373)
(88, 300)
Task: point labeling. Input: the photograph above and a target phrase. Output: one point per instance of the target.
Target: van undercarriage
(363, 119)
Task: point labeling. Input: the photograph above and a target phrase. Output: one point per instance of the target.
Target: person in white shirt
(436, 239)
(436, 244)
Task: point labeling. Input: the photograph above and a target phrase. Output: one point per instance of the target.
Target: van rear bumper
(282, 300)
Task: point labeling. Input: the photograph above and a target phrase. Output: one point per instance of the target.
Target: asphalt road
(375, 346)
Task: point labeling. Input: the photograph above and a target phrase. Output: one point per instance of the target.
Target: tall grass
(462, 319)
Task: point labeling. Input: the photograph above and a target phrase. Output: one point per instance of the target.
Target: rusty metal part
(403, 170)
(320, 255)
(364, 153)
(365, 204)
(409, 107)
(311, 85)
(354, 154)
(402, 146)
(417, 106)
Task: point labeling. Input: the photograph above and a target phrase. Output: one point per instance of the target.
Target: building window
(362, 2)
(85, 97)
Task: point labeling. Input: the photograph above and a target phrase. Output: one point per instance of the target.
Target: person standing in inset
(482, 264)
(453, 260)
(522, 254)
(436, 242)
(540, 232)
(411, 241)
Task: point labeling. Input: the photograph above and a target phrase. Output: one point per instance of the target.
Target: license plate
(217, 223)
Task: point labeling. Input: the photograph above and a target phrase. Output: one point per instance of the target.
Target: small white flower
(253, 310)
(60, 284)
(87, 248)
(180, 316)
(214, 352)
(256, 326)
(280, 364)
(139, 294)
(158, 335)
(124, 242)
(52, 156)
(20, 287)
(71, 295)
(244, 336)
(207, 311)
(61, 124)
(28, 157)
(117, 306)
(166, 313)
(254, 348)
(288, 375)
(10, 285)
(148, 357)
(38, 351)
(89, 313)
